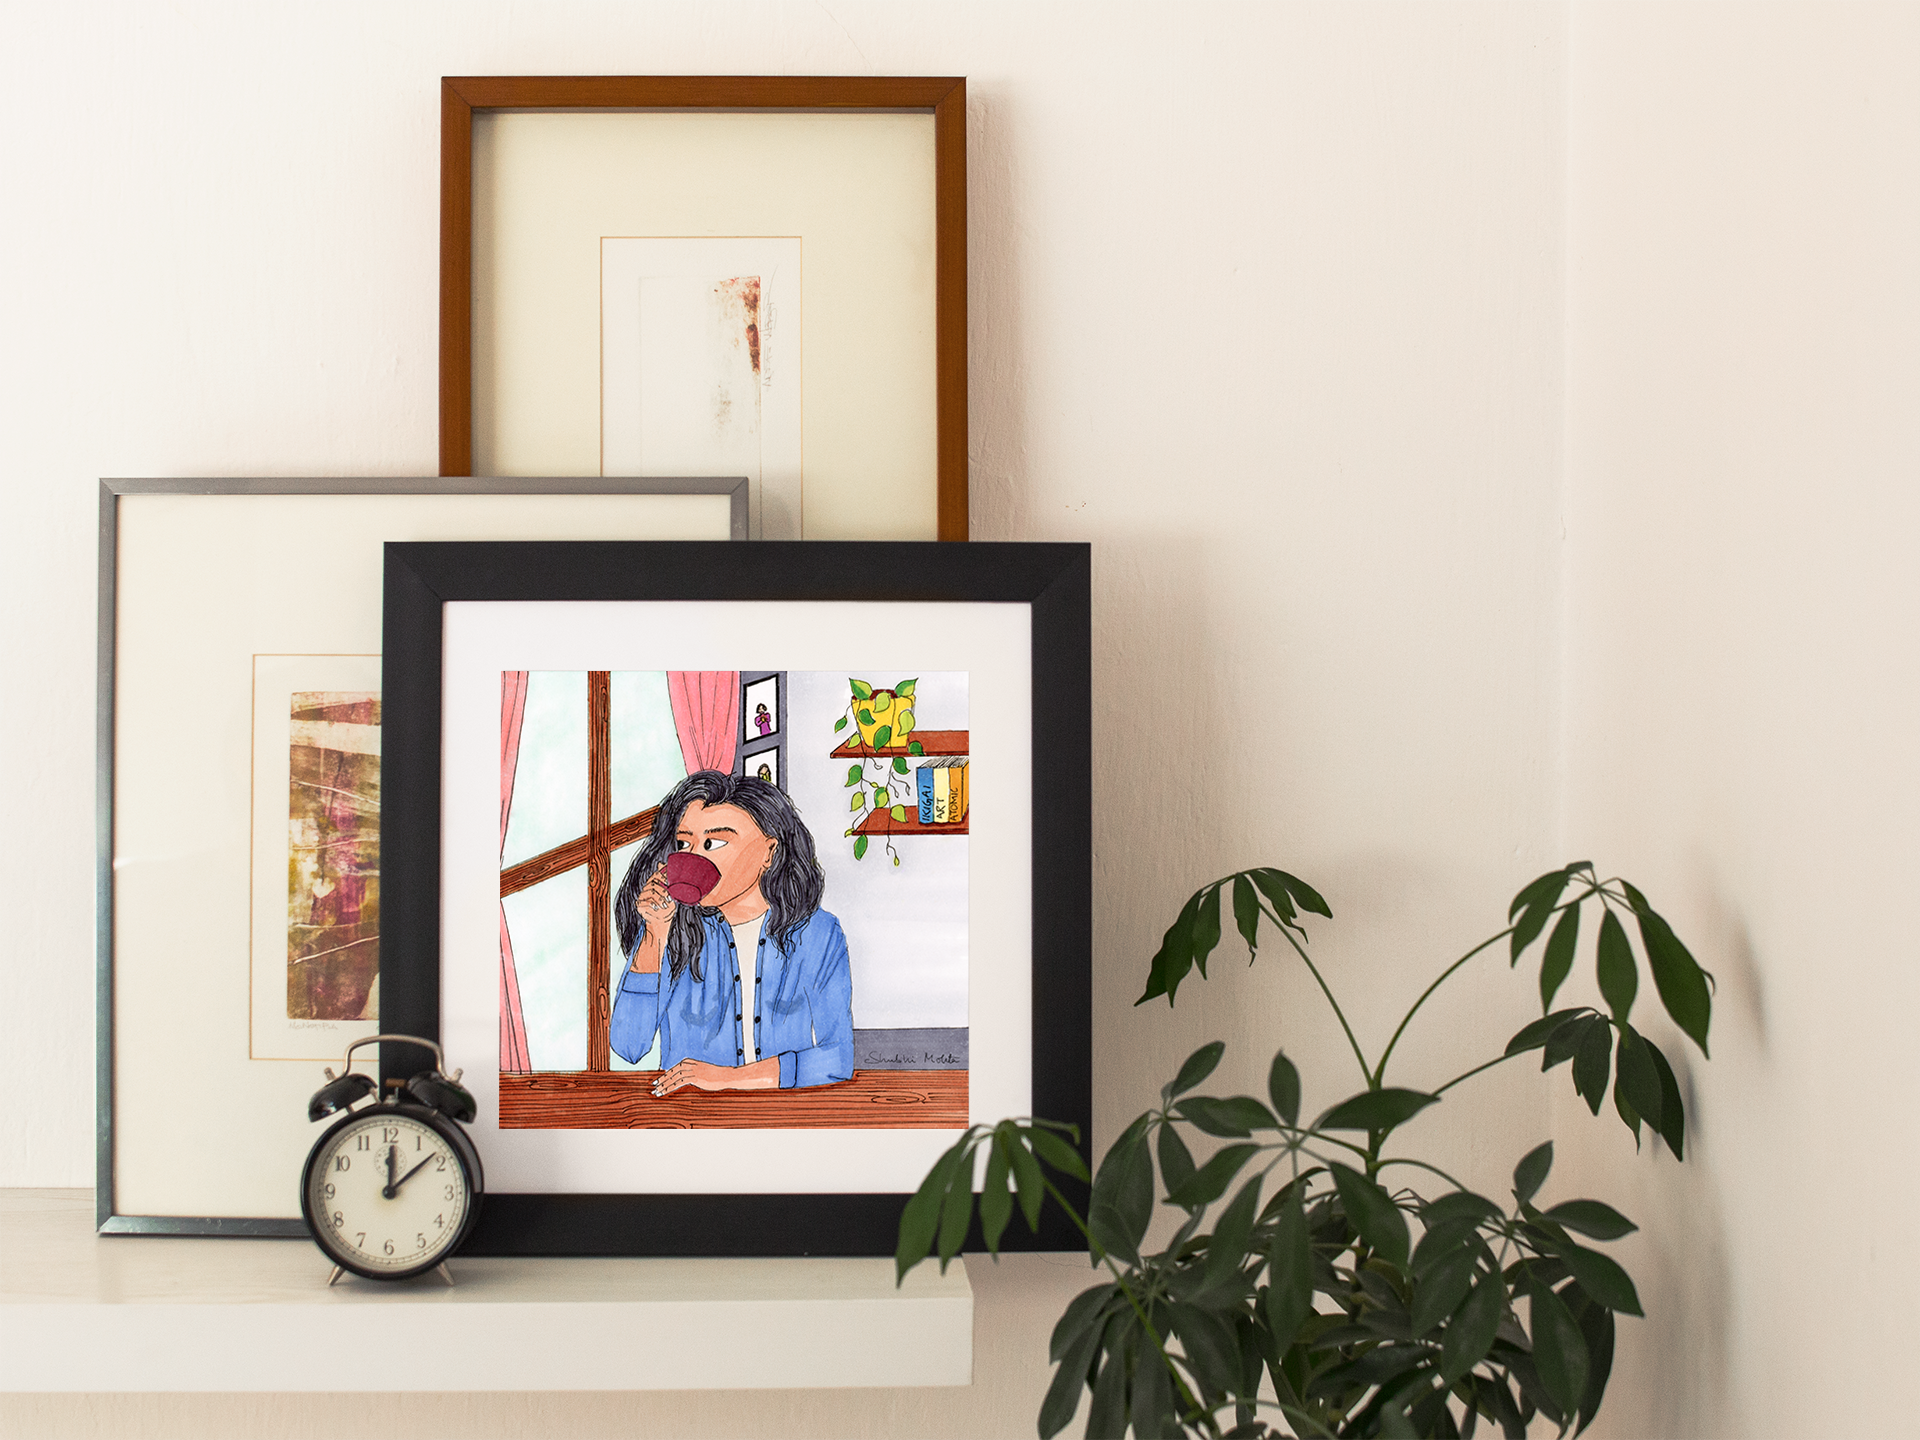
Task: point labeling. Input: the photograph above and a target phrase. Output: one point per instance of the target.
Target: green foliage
(1308, 1289)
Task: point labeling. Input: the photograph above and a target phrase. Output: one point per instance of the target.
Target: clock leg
(444, 1273)
(338, 1271)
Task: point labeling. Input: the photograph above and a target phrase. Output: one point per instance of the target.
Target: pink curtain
(513, 1026)
(706, 712)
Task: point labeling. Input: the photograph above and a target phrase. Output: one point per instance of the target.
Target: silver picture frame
(187, 1090)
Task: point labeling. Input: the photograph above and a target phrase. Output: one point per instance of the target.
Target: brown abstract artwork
(333, 856)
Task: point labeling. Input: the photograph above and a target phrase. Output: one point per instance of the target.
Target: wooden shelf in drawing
(931, 742)
(881, 823)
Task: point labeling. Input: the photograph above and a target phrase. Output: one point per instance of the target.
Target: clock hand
(394, 1188)
(393, 1156)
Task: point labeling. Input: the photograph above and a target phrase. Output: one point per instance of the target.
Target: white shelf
(82, 1312)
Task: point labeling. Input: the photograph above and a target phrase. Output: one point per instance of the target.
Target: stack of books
(942, 787)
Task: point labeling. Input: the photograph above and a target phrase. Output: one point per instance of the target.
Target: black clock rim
(463, 1150)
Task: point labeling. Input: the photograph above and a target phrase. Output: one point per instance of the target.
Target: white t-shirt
(746, 947)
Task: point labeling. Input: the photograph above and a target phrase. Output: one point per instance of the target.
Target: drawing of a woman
(750, 988)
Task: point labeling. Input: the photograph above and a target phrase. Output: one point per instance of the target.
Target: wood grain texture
(931, 742)
(873, 825)
(599, 860)
(573, 854)
(456, 281)
(624, 1100)
(945, 96)
(950, 306)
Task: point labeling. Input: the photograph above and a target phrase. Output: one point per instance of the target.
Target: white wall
(1745, 680)
(1423, 558)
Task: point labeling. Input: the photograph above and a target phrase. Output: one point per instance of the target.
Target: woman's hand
(761, 1075)
(656, 909)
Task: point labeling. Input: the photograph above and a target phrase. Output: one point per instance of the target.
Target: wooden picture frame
(441, 873)
(464, 99)
(211, 593)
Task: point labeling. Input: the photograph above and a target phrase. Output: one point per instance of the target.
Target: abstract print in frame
(315, 855)
(778, 952)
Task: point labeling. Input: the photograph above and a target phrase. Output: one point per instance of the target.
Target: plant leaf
(1600, 1276)
(955, 1212)
(1527, 928)
(1469, 1335)
(1637, 1076)
(898, 812)
(1542, 889)
(1596, 1326)
(1380, 1110)
(1593, 1063)
(1308, 897)
(1558, 959)
(1531, 1173)
(1591, 1217)
(1371, 1211)
(1211, 1349)
(1442, 1290)
(879, 798)
(1619, 977)
(839, 724)
(1174, 958)
(1062, 1156)
(1122, 1200)
(921, 1217)
(1195, 1068)
(1107, 1415)
(1083, 1313)
(1283, 1088)
(883, 737)
(1673, 1113)
(1026, 1175)
(861, 690)
(1559, 1350)
(1289, 1272)
(1227, 1250)
(903, 723)
(1246, 914)
(996, 1196)
(1273, 885)
(1150, 1405)
(1676, 975)
(1063, 1395)
(863, 715)
(1533, 1036)
(859, 847)
(899, 765)
(1210, 1181)
(853, 775)
(1229, 1118)
(1176, 1161)
(858, 800)
(905, 687)
(1206, 927)
(914, 747)
(1565, 1042)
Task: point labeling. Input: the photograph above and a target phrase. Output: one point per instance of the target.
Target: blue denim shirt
(803, 998)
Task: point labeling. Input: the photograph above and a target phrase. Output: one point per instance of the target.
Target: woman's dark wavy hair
(793, 883)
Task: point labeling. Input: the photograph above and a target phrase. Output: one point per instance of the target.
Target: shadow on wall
(1680, 1261)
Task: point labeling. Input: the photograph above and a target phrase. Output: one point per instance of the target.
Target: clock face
(386, 1194)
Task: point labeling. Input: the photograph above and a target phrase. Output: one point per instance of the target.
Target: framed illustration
(646, 275)
(682, 870)
(238, 813)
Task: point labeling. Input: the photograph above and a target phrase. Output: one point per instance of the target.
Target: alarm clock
(391, 1189)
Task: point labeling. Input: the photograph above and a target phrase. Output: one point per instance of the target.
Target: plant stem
(1375, 1079)
(1497, 1060)
(1423, 1165)
(1365, 1070)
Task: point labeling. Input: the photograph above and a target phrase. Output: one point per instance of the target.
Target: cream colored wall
(1271, 303)
(1745, 678)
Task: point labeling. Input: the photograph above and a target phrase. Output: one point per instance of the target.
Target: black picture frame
(1054, 580)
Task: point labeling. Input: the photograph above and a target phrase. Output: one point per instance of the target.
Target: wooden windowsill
(624, 1100)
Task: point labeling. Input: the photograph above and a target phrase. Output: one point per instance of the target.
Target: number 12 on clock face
(388, 1191)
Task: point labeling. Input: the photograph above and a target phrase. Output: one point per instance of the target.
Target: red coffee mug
(690, 876)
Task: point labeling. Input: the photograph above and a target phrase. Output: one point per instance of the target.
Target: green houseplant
(880, 717)
(1295, 1297)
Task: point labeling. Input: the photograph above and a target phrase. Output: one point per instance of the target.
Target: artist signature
(928, 1057)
